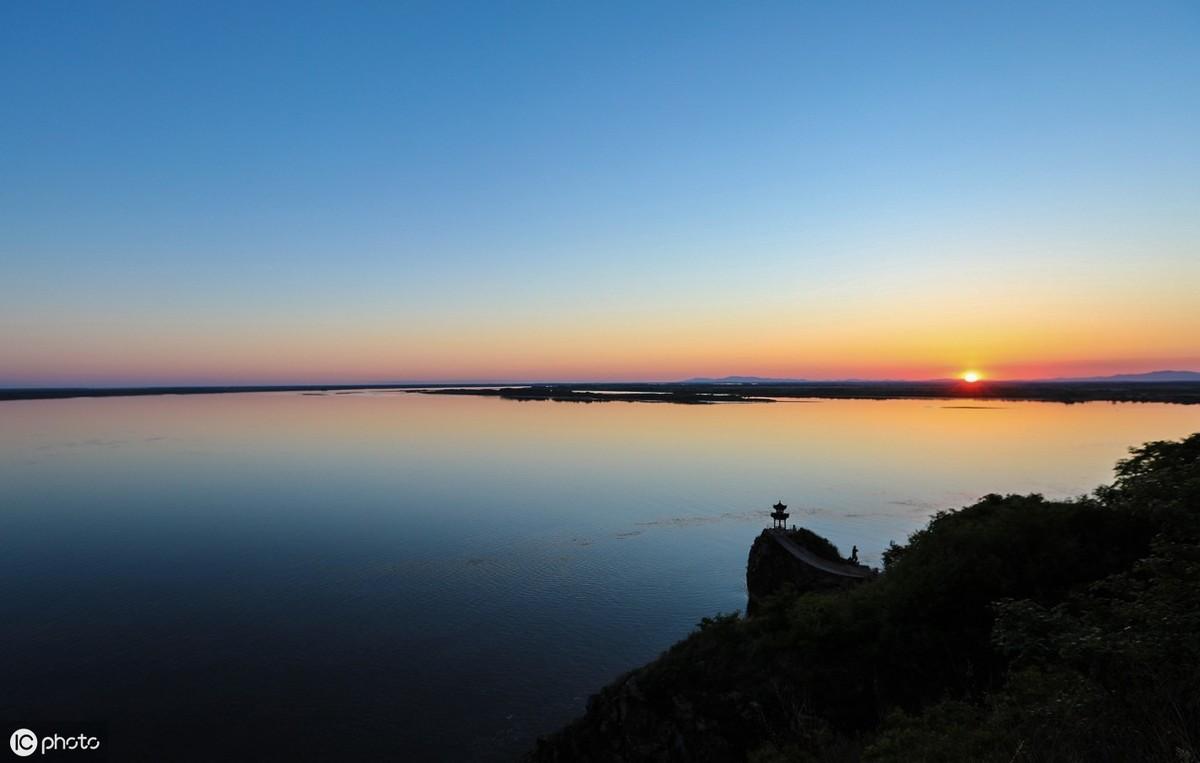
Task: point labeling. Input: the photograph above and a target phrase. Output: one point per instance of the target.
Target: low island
(692, 393)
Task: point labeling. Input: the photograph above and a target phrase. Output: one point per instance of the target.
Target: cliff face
(771, 568)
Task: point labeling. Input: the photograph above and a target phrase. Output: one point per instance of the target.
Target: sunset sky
(313, 192)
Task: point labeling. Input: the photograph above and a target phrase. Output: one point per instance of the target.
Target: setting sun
(970, 377)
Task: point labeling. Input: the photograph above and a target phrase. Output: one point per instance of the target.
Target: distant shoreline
(700, 393)
(61, 393)
(692, 393)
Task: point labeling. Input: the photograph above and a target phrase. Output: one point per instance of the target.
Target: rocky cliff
(771, 568)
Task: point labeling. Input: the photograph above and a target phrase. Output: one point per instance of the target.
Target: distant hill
(1151, 376)
(738, 380)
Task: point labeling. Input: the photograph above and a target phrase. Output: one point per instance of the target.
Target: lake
(386, 574)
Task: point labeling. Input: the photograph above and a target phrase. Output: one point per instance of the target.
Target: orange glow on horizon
(970, 377)
(817, 341)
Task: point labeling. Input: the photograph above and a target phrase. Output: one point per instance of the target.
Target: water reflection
(386, 573)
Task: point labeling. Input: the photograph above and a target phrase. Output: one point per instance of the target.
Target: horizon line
(729, 379)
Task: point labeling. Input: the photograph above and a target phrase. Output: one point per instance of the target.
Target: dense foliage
(1016, 629)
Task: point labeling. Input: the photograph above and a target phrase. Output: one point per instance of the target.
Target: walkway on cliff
(833, 568)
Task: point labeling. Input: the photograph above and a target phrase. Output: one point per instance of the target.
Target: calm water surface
(388, 574)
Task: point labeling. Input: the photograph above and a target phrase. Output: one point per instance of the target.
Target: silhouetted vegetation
(1015, 629)
(1185, 392)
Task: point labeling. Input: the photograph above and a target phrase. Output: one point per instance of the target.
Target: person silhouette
(854, 554)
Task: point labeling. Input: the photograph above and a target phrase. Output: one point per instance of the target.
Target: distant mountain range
(1151, 376)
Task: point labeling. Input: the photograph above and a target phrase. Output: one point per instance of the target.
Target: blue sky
(256, 191)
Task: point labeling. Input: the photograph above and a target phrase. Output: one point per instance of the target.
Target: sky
(205, 192)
